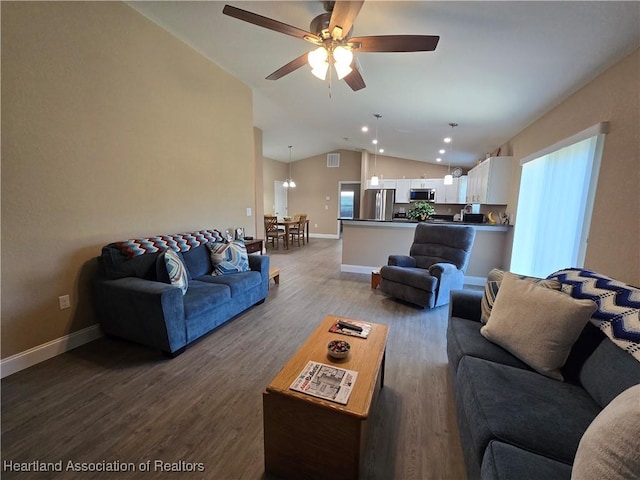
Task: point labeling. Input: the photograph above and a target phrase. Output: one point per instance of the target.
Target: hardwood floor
(110, 402)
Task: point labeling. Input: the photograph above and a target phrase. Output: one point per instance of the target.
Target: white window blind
(555, 204)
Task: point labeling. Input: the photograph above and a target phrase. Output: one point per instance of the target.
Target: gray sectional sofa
(516, 423)
(134, 302)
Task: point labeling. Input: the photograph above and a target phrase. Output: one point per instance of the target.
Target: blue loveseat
(132, 302)
(516, 423)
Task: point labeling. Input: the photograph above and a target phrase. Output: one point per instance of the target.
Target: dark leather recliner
(436, 264)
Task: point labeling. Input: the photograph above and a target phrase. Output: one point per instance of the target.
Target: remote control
(349, 326)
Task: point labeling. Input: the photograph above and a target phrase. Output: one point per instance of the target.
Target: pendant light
(375, 181)
(289, 183)
(448, 178)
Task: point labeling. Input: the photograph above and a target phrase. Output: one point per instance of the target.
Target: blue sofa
(132, 303)
(516, 423)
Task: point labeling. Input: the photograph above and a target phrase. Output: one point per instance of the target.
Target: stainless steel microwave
(422, 195)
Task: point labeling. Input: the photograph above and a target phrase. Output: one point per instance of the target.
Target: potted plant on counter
(421, 211)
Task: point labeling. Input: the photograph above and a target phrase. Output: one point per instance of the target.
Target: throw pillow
(609, 447)
(493, 284)
(536, 324)
(229, 257)
(176, 270)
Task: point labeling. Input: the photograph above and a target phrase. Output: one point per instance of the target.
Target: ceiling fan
(331, 34)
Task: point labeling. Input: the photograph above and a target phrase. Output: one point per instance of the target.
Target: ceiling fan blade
(342, 16)
(354, 79)
(270, 23)
(293, 65)
(395, 43)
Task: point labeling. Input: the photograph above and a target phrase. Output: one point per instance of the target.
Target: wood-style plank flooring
(110, 402)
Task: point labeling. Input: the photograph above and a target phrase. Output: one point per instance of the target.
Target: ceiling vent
(333, 160)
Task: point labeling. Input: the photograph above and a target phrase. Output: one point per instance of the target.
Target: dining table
(287, 224)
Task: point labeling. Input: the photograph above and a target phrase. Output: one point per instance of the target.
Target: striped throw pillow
(494, 279)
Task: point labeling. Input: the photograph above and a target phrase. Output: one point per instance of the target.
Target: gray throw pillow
(608, 450)
(536, 324)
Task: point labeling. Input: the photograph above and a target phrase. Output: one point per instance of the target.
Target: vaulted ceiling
(497, 68)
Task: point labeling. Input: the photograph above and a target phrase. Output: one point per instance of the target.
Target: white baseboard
(332, 236)
(357, 269)
(48, 350)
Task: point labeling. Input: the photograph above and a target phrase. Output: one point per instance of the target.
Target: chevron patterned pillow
(176, 270)
(229, 257)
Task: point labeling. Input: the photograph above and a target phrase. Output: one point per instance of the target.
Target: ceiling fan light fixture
(318, 57)
(321, 71)
(342, 70)
(342, 61)
(331, 31)
(343, 55)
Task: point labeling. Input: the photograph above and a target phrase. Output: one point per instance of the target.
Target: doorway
(280, 199)
(349, 206)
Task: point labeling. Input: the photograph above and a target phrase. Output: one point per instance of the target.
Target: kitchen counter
(400, 222)
(367, 244)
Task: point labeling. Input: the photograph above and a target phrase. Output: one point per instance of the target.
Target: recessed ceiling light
(447, 140)
(438, 159)
(381, 150)
(442, 151)
(374, 141)
(365, 129)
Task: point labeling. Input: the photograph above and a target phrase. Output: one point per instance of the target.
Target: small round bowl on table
(338, 349)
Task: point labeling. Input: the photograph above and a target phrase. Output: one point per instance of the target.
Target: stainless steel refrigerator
(378, 204)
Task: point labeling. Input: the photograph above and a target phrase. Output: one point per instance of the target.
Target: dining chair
(271, 230)
(298, 231)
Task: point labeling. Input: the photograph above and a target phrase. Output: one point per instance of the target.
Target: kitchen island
(367, 244)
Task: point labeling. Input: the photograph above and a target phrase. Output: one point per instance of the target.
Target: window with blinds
(557, 190)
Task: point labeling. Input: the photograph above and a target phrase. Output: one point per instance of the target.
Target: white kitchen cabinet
(436, 184)
(403, 188)
(488, 182)
(383, 183)
(455, 193)
(419, 183)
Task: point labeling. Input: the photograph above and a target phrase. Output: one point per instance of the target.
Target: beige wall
(614, 239)
(315, 182)
(111, 129)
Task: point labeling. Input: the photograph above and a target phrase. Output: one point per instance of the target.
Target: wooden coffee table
(311, 438)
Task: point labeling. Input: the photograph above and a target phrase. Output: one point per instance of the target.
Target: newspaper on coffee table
(325, 381)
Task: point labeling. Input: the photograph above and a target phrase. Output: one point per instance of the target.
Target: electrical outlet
(248, 211)
(64, 302)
